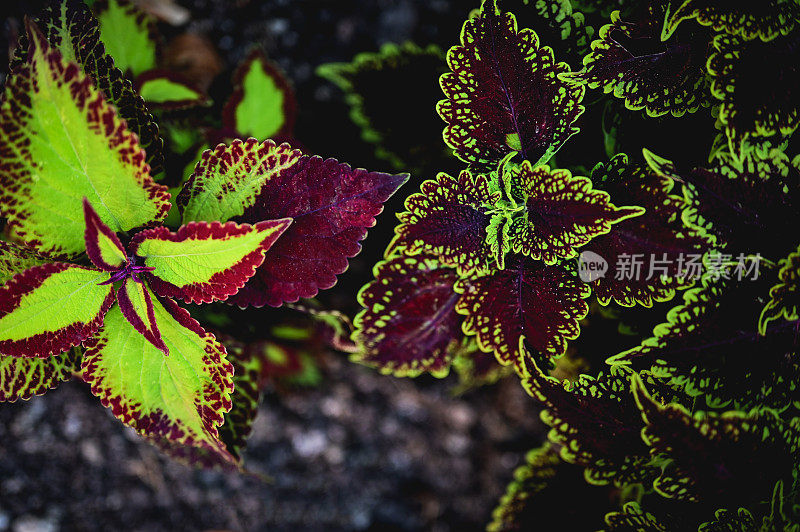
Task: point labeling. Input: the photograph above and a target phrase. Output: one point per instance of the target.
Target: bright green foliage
(128, 34)
(632, 517)
(169, 93)
(52, 114)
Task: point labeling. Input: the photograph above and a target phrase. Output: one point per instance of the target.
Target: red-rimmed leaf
(409, 324)
(596, 424)
(22, 378)
(504, 94)
(332, 206)
(560, 212)
(102, 244)
(204, 262)
(527, 304)
(166, 90)
(646, 255)
(50, 308)
(451, 218)
(60, 141)
(729, 458)
(630, 60)
(263, 103)
(181, 404)
(136, 304)
(765, 19)
(71, 28)
(757, 83)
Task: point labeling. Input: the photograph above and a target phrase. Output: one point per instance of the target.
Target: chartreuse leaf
(332, 206)
(182, 401)
(136, 305)
(784, 297)
(263, 103)
(452, 218)
(528, 304)
(630, 60)
(204, 262)
(765, 19)
(102, 244)
(166, 90)
(60, 142)
(22, 378)
(504, 94)
(648, 256)
(595, 423)
(757, 84)
(373, 83)
(50, 308)
(129, 35)
(726, 458)
(560, 212)
(409, 324)
(633, 517)
(71, 28)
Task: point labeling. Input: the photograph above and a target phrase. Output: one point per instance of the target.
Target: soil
(361, 451)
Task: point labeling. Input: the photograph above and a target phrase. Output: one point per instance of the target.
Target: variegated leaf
(765, 19)
(103, 246)
(136, 304)
(204, 262)
(784, 297)
(559, 212)
(181, 404)
(129, 35)
(527, 305)
(60, 141)
(409, 324)
(332, 206)
(452, 218)
(504, 94)
(22, 378)
(48, 309)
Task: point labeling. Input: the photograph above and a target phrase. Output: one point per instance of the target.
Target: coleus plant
(696, 426)
(91, 275)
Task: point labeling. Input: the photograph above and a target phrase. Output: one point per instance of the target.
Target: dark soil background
(359, 452)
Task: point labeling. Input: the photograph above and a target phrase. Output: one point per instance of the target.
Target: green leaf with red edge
(559, 211)
(765, 19)
(23, 378)
(728, 458)
(452, 218)
(332, 206)
(706, 346)
(263, 104)
(527, 305)
(784, 297)
(660, 233)
(168, 91)
(71, 28)
(735, 205)
(504, 94)
(757, 83)
(373, 83)
(50, 308)
(630, 60)
(129, 35)
(633, 517)
(409, 324)
(60, 141)
(596, 424)
(102, 244)
(204, 262)
(136, 304)
(181, 404)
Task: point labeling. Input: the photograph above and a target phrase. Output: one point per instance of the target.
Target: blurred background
(344, 449)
